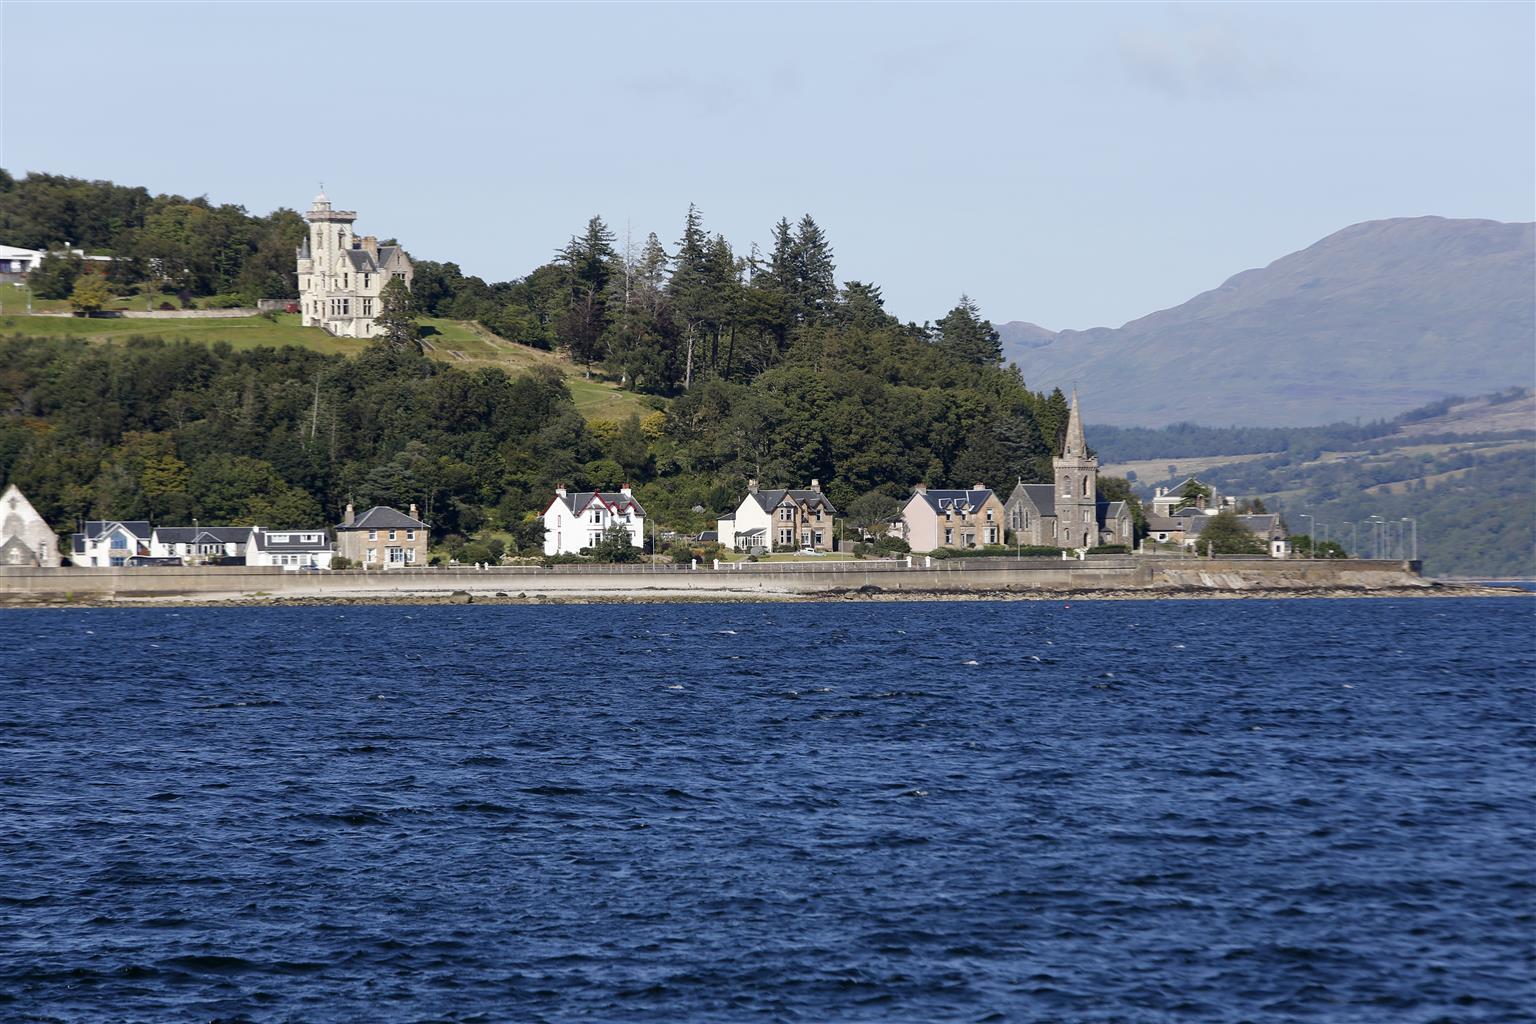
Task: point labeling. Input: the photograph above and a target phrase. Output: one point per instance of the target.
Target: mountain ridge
(1375, 319)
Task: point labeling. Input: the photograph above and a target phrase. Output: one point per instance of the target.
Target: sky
(1074, 166)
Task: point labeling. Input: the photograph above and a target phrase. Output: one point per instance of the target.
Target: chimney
(815, 485)
(751, 486)
(626, 491)
(560, 490)
(349, 516)
(414, 513)
(979, 486)
(371, 246)
(921, 488)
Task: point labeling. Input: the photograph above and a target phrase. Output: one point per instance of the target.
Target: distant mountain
(1372, 321)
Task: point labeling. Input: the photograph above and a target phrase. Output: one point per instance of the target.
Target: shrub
(342, 562)
(1109, 549)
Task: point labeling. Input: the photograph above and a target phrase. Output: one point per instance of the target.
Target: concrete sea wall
(739, 580)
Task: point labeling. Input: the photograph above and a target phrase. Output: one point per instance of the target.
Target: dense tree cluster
(163, 241)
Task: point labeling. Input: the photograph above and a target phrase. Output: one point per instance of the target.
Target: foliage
(1109, 549)
(997, 551)
(1225, 534)
(89, 295)
(55, 275)
(395, 317)
(871, 513)
(614, 546)
(1302, 545)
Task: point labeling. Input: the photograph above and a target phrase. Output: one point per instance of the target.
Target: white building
(291, 549)
(341, 276)
(110, 542)
(194, 544)
(577, 519)
(25, 537)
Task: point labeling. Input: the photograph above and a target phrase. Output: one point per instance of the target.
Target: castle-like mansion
(341, 276)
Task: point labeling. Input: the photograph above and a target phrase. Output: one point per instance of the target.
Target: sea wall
(738, 580)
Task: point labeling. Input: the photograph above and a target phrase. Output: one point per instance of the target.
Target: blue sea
(1090, 811)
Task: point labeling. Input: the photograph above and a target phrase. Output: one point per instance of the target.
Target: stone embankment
(1119, 577)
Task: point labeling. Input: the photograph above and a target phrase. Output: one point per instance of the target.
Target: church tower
(1077, 487)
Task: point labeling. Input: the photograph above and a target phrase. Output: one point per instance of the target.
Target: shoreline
(641, 595)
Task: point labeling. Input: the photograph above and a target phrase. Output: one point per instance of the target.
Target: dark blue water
(1140, 812)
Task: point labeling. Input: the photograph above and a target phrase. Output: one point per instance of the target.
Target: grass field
(451, 341)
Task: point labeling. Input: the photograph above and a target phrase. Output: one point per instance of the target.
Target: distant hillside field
(1372, 321)
(1463, 472)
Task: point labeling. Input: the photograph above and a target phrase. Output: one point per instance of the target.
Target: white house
(576, 519)
(110, 542)
(291, 549)
(196, 544)
(25, 537)
(341, 276)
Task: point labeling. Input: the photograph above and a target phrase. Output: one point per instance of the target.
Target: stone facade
(25, 537)
(382, 538)
(781, 520)
(934, 519)
(1068, 513)
(341, 276)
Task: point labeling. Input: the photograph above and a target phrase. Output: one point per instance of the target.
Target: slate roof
(1113, 509)
(202, 535)
(770, 500)
(138, 527)
(578, 501)
(1163, 524)
(1259, 524)
(382, 517)
(264, 540)
(945, 501)
(1042, 495)
(362, 261)
(728, 516)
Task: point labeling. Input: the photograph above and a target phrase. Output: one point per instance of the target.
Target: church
(341, 276)
(1068, 512)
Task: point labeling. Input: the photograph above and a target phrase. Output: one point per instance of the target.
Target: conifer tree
(963, 331)
(395, 318)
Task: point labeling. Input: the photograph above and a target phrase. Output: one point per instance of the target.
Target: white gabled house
(290, 549)
(110, 542)
(576, 519)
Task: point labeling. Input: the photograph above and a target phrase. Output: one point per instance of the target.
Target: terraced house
(781, 520)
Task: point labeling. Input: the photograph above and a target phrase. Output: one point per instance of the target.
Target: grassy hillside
(452, 341)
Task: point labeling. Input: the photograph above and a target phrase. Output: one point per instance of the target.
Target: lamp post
(1354, 539)
(1311, 533)
(1374, 522)
(1413, 526)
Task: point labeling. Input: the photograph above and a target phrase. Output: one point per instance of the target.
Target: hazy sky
(1075, 166)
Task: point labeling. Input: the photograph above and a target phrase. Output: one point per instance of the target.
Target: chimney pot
(414, 513)
(979, 486)
(922, 488)
(349, 516)
(751, 486)
(625, 490)
(560, 490)
(815, 485)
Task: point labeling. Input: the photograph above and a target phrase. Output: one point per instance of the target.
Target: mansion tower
(341, 276)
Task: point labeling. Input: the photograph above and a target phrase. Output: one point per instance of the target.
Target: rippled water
(1108, 811)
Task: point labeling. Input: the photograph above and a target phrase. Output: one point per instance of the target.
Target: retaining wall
(766, 579)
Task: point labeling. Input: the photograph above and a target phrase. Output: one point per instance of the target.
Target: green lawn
(451, 341)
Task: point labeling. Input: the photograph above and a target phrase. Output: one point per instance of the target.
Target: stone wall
(765, 579)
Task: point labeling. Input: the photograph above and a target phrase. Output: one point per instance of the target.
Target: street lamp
(1413, 525)
(1375, 522)
(1311, 533)
(1354, 539)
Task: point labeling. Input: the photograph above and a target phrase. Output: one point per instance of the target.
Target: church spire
(1076, 444)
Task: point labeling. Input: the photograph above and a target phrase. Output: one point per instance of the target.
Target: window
(119, 541)
(398, 276)
(366, 307)
(786, 514)
(1085, 487)
(366, 279)
(991, 535)
(594, 538)
(373, 555)
(410, 534)
(346, 280)
(391, 534)
(818, 515)
(597, 515)
(949, 535)
(989, 515)
(341, 239)
(373, 534)
(817, 538)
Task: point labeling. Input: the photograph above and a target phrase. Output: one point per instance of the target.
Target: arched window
(1085, 487)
